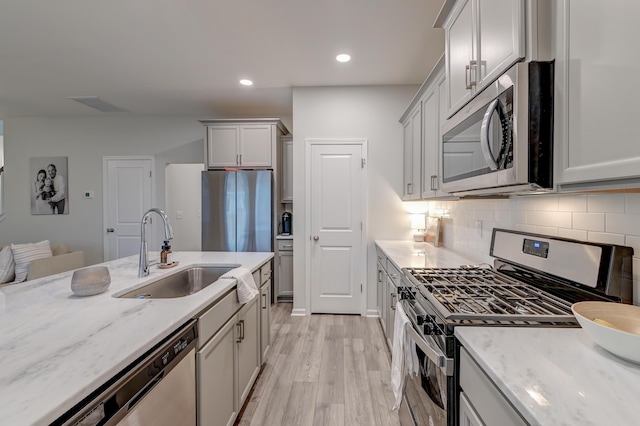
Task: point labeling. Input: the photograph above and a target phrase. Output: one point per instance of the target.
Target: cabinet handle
(287, 245)
(434, 183)
(379, 276)
(241, 329)
(264, 301)
(237, 159)
(240, 163)
(239, 338)
(393, 297)
(470, 83)
(409, 188)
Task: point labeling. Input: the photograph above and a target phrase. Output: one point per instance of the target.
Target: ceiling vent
(97, 103)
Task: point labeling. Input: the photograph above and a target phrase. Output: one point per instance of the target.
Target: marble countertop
(409, 254)
(556, 376)
(284, 237)
(56, 348)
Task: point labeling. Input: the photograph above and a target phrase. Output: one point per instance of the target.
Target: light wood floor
(323, 370)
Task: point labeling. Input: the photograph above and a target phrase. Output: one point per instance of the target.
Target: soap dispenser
(164, 254)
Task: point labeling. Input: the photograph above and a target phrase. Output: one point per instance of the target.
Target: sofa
(63, 259)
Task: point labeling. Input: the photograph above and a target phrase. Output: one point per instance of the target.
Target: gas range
(533, 283)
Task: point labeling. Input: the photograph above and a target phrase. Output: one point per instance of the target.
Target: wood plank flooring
(322, 370)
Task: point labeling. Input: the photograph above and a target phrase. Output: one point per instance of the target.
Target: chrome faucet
(143, 267)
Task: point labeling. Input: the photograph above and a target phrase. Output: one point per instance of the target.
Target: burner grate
(482, 293)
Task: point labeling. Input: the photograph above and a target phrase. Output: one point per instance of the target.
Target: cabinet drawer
(394, 273)
(265, 273)
(212, 320)
(285, 245)
(381, 258)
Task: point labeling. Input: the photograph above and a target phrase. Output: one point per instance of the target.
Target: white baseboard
(373, 313)
(299, 312)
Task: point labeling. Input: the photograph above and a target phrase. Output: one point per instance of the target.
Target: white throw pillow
(23, 254)
(7, 266)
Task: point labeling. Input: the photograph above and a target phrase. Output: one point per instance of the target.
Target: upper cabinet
(242, 143)
(483, 38)
(421, 137)
(412, 134)
(596, 94)
(287, 169)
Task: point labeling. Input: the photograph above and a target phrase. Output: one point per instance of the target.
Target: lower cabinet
(216, 378)
(481, 402)
(233, 341)
(388, 280)
(248, 344)
(285, 270)
(381, 293)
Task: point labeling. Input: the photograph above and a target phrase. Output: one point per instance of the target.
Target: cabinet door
(430, 139)
(391, 309)
(597, 93)
(285, 274)
(248, 348)
(460, 50)
(216, 364)
(411, 137)
(255, 145)
(287, 171)
(500, 38)
(468, 416)
(265, 320)
(222, 146)
(379, 290)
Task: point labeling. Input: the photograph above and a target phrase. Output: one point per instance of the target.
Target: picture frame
(49, 185)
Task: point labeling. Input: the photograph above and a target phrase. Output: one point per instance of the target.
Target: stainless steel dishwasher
(159, 390)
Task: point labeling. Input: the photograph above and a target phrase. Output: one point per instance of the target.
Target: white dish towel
(247, 288)
(404, 359)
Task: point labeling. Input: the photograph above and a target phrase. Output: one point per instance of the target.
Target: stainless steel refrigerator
(237, 210)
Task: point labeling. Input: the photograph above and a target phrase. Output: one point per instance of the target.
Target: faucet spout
(143, 266)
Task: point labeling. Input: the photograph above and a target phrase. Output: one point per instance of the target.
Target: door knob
(316, 238)
(110, 230)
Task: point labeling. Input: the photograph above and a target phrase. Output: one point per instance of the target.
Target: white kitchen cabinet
(482, 403)
(596, 94)
(287, 169)
(243, 143)
(262, 278)
(393, 281)
(422, 138)
(382, 289)
(216, 363)
(229, 356)
(248, 342)
(412, 131)
(483, 38)
(285, 270)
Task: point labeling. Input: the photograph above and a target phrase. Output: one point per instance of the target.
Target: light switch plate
(88, 194)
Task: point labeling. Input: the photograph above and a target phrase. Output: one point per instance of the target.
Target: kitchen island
(57, 348)
(556, 376)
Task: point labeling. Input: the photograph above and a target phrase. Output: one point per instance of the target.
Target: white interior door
(336, 222)
(127, 196)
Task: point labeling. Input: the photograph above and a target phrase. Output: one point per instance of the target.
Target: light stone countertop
(56, 348)
(284, 237)
(556, 376)
(409, 254)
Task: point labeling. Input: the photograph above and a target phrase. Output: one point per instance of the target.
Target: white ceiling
(185, 57)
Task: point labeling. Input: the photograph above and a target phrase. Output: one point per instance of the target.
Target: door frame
(105, 192)
(309, 142)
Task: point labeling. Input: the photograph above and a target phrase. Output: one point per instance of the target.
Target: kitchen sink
(180, 284)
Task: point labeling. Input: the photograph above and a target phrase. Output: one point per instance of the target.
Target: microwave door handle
(484, 135)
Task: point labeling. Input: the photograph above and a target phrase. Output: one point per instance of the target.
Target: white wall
(85, 141)
(352, 112)
(606, 218)
(183, 205)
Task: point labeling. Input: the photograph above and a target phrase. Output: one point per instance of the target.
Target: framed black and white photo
(48, 184)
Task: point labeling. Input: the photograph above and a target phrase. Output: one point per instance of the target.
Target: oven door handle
(435, 355)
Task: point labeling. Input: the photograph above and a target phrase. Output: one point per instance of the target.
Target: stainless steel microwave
(502, 140)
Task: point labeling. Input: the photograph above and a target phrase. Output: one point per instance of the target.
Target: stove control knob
(429, 329)
(420, 319)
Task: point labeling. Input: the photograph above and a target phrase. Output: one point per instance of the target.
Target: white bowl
(90, 281)
(616, 327)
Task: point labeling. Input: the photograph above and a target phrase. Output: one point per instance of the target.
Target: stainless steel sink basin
(181, 284)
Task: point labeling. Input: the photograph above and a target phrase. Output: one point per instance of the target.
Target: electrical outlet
(179, 214)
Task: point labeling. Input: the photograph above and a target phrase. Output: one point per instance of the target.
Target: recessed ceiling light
(343, 57)
(246, 82)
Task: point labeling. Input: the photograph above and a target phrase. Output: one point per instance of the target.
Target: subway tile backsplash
(608, 218)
